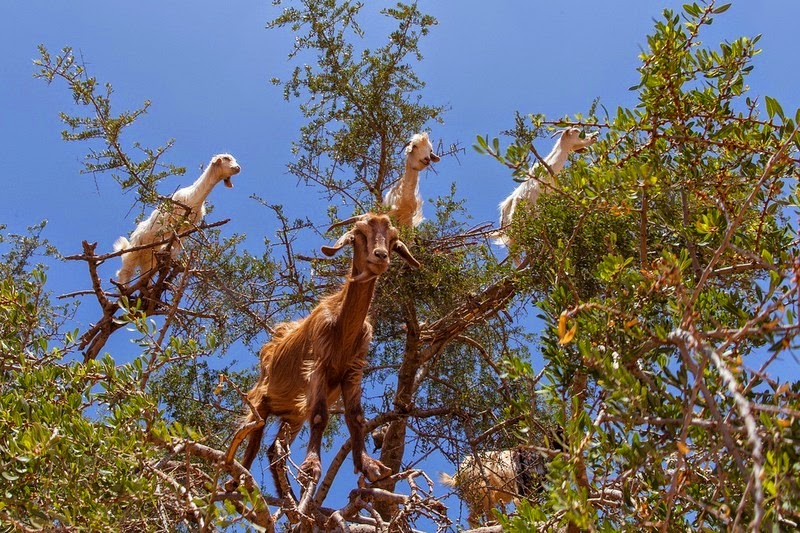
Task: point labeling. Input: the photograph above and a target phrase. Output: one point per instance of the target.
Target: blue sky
(206, 67)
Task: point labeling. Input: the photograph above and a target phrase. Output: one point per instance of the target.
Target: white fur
(569, 141)
(482, 489)
(403, 199)
(187, 209)
(495, 480)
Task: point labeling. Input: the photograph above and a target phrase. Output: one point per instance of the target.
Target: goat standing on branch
(309, 363)
(186, 208)
(403, 199)
(571, 140)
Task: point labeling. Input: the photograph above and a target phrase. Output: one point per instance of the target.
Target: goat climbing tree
(663, 266)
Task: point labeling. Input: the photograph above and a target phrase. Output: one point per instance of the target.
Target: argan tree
(662, 264)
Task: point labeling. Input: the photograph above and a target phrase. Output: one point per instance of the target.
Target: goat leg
(277, 454)
(311, 468)
(253, 429)
(373, 469)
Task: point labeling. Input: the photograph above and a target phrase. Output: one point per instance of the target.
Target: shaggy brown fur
(309, 363)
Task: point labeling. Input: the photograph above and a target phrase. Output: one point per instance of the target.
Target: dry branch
(150, 295)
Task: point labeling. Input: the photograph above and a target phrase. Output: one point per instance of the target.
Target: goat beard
(364, 276)
(228, 183)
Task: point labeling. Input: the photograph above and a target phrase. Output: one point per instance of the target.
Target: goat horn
(347, 221)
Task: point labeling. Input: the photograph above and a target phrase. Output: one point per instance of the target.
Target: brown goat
(309, 363)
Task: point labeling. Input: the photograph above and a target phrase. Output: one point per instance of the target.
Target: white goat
(502, 477)
(186, 208)
(311, 362)
(570, 140)
(403, 199)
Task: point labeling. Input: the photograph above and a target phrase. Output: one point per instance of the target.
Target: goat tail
(447, 479)
(507, 208)
(121, 244)
(500, 238)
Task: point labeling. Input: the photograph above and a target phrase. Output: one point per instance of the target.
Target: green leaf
(721, 9)
(773, 107)
(692, 9)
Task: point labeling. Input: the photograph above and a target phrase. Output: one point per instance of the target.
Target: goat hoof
(374, 470)
(310, 470)
(231, 485)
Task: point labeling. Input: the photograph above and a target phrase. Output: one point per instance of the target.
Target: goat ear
(330, 251)
(403, 252)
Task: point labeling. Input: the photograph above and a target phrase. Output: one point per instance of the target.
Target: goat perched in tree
(309, 363)
(498, 477)
(186, 208)
(571, 140)
(403, 199)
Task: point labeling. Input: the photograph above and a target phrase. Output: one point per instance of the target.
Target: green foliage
(190, 395)
(665, 267)
(70, 453)
(662, 264)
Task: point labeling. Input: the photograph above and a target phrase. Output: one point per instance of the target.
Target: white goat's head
(419, 152)
(575, 140)
(374, 239)
(223, 166)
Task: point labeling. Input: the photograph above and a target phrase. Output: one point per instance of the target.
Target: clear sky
(206, 66)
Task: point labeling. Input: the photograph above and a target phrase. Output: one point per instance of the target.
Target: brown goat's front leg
(373, 469)
(318, 417)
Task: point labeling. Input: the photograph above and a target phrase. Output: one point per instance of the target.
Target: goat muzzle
(227, 180)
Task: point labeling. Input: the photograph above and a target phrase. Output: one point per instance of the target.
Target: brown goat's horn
(347, 221)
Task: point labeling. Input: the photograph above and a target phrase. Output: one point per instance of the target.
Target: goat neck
(356, 298)
(195, 194)
(360, 286)
(556, 159)
(409, 181)
(408, 193)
